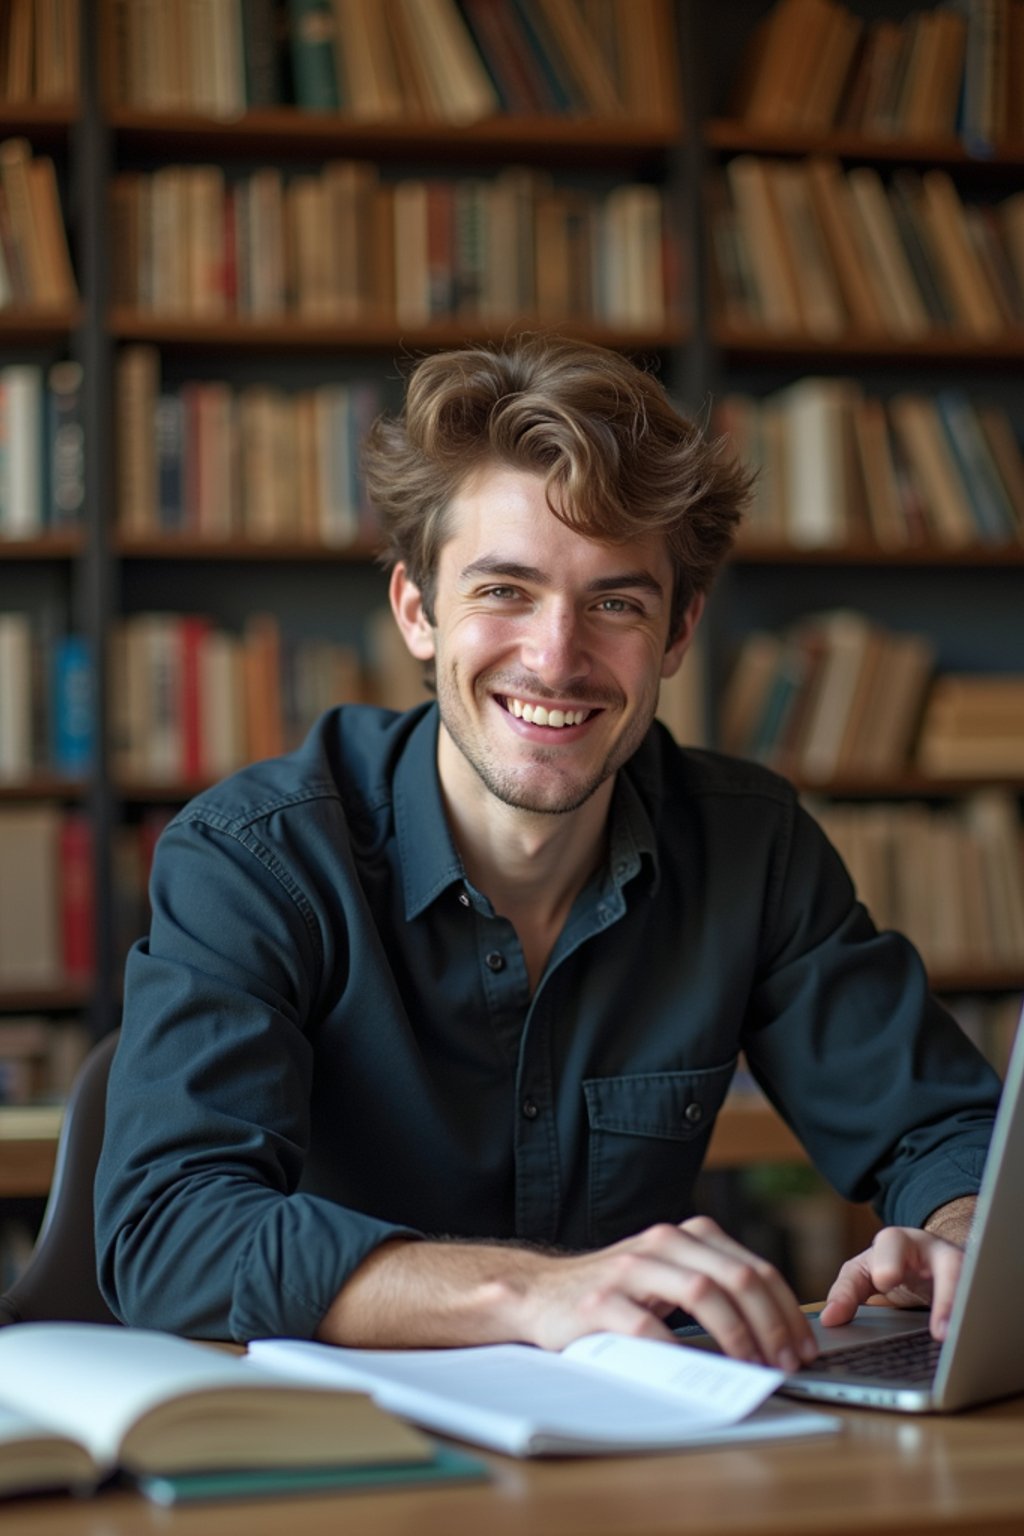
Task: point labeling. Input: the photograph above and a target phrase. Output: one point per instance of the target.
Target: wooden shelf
(191, 547)
(66, 545)
(298, 333)
(288, 131)
(57, 999)
(44, 787)
(20, 326)
(748, 1132)
(940, 347)
(28, 1149)
(729, 136)
(908, 784)
(777, 552)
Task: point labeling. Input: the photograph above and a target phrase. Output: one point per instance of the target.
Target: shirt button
(463, 898)
(693, 1113)
(530, 1110)
(495, 961)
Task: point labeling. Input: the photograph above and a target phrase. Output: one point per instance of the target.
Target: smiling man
(435, 1015)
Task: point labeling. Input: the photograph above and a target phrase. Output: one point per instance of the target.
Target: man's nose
(554, 646)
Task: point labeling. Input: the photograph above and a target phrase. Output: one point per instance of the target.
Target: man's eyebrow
(512, 570)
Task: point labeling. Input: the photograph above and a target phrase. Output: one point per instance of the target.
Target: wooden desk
(886, 1475)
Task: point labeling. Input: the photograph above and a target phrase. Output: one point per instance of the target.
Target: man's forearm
(953, 1220)
(425, 1295)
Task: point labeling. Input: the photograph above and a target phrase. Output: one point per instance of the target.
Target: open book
(602, 1393)
(81, 1400)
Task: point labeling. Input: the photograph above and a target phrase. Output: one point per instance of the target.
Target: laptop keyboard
(908, 1357)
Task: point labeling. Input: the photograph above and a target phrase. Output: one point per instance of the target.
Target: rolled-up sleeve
(202, 1227)
(891, 1099)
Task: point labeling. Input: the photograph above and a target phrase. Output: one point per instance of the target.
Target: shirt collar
(429, 859)
(430, 862)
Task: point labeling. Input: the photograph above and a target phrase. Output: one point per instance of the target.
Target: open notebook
(982, 1356)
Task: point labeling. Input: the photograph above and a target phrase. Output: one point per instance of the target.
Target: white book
(603, 1393)
(78, 1400)
(15, 696)
(22, 491)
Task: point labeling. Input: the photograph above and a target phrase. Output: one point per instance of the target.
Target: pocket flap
(674, 1105)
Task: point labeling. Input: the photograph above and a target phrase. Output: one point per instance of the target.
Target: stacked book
(446, 61)
(837, 467)
(42, 468)
(39, 53)
(952, 879)
(814, 65)
(802, 248)
(46, 724)
(35, 262)
(835, 697)
(973, 725)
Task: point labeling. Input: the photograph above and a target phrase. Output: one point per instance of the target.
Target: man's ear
(407, 607)
(673, 657)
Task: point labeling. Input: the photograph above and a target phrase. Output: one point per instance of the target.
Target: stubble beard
(558, 798)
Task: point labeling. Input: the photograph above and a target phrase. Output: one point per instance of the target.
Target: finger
(946, 1261)
(763, 1302)
(852, 1287)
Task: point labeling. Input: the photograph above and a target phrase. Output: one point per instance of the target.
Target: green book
(446, 1466)
(311, 26)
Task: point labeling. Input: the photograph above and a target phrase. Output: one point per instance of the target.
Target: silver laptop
(982, 1356)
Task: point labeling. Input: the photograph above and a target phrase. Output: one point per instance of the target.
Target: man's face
(549, 648)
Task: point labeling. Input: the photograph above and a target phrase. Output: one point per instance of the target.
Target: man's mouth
(540, 714)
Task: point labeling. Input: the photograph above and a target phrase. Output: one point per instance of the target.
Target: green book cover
(447, 1466)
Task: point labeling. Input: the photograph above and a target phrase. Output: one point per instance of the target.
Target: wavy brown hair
(618, 459)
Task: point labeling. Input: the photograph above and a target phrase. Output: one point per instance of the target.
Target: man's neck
(530, 865)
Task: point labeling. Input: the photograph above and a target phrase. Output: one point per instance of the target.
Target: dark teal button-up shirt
(329, 1036)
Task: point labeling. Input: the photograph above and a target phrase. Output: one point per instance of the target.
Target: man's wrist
(952, 1221)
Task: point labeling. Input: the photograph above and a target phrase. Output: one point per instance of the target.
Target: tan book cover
(838, 221)
(764, 239)
(888, 267)
(944, 215)
(924, 445)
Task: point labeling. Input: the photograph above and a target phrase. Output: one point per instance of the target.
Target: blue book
(71, 707)
(169, 439)
(989, 502)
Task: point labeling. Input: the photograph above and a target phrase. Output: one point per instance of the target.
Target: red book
(77, 907)
(194, 629)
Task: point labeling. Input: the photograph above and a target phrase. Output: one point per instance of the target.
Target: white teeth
(536, 714)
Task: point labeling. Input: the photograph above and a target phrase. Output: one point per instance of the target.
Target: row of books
(40, 1057)
(951, 879)
(45, 699)
(39, 52)
(35, 262)
(47, 909)
(192, 701)
(210, 461)
(343, 244)
(42, 449)
(455, 61)
(800, 247)
(814, 65)
(834, 696)
(973, 724)
(837, 465)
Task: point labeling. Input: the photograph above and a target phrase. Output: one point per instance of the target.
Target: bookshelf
(100, 573)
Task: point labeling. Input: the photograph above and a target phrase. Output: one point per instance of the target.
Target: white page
(526, 1401)
(91, 1381)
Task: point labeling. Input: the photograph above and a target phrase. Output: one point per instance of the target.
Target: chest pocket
(647, 1136)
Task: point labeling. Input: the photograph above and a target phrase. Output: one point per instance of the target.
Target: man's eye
(617, 605)
(503, 593)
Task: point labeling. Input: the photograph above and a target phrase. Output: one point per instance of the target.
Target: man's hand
(409, 1294)
(904, 1267)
